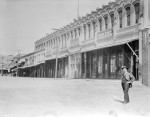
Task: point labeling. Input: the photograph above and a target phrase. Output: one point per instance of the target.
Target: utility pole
(18, 58)
(78, 11)
(56, 64)
(56, 55)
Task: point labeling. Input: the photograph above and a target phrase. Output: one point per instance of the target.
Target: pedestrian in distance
(126, 82)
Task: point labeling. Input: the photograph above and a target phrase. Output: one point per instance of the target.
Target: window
(65, 39)
(106, 22)
(100, 65)
(120, 62)
(112, 19)
(94, 28)
(128, 15)
(47, 45)
(62, 41)
(137, 12)
(54, 43)
(75, 33)
(100, 24)
(79, 31)
(89, 29)
(120, 18)
(71, 34)
(50, 45)
(68, 36)
(113, 64)
(84, 32)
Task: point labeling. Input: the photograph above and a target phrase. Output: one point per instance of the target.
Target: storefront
(106, 63)
(50, 68)
(62, 67)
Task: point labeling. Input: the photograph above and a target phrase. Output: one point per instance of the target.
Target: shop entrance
(105, 63)
(105, 66)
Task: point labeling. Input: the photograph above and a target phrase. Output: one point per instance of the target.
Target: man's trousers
(125, 87)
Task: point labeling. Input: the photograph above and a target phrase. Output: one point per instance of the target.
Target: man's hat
(123, 67)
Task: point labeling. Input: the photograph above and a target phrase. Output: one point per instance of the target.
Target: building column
(146, 57)
(69, 66)
(108, 61)
(85, 63)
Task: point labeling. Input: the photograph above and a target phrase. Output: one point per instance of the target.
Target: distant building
(13, 64)
(98, 44)
(4, 64)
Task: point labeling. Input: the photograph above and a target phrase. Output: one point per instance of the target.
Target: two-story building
(98, 44)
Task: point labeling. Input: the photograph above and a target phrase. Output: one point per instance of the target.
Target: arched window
(54, 43)
(94, 28)
(100, 24)
(75, 33)
(120, 18)
(62, 44)
(47, 45)
(137, 12)
(128, 10)
(65, 39)
(84, 32)
(112, 19)
(68, 36)
(106, 22)
(89, 29)
(51, 43)
(79, 31)
(71, 34)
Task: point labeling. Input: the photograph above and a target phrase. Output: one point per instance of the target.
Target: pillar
(146, 57)
(69, 66)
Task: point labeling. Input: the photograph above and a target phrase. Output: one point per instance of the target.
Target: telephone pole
(18, 58)
(78, 11)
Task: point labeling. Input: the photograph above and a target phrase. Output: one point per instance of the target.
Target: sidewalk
(43, 97)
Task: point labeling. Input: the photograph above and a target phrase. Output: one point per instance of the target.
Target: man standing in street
(126, 82)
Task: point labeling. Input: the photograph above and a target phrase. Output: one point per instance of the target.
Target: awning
(109, 44)
(27, 66)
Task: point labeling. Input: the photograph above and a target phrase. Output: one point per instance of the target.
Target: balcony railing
(106, 34)
(74, 42)
(88, 41)
(128, 30)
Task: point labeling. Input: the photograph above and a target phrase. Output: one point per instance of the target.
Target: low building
(4, 64)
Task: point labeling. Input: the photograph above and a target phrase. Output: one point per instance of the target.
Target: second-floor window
(54, 43)
(89, 29)
(62, 39)
(75, 33)
(65, 39)
(94, 28)
(84, 32)
(79, 31)
(50, 43)
(71, 34)
(128, 16)
(68, 36)
(112, 19)
(137, 12)
(106, 22)
(120, 18)
(100, 24)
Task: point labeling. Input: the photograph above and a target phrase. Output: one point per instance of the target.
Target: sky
(22, 22)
